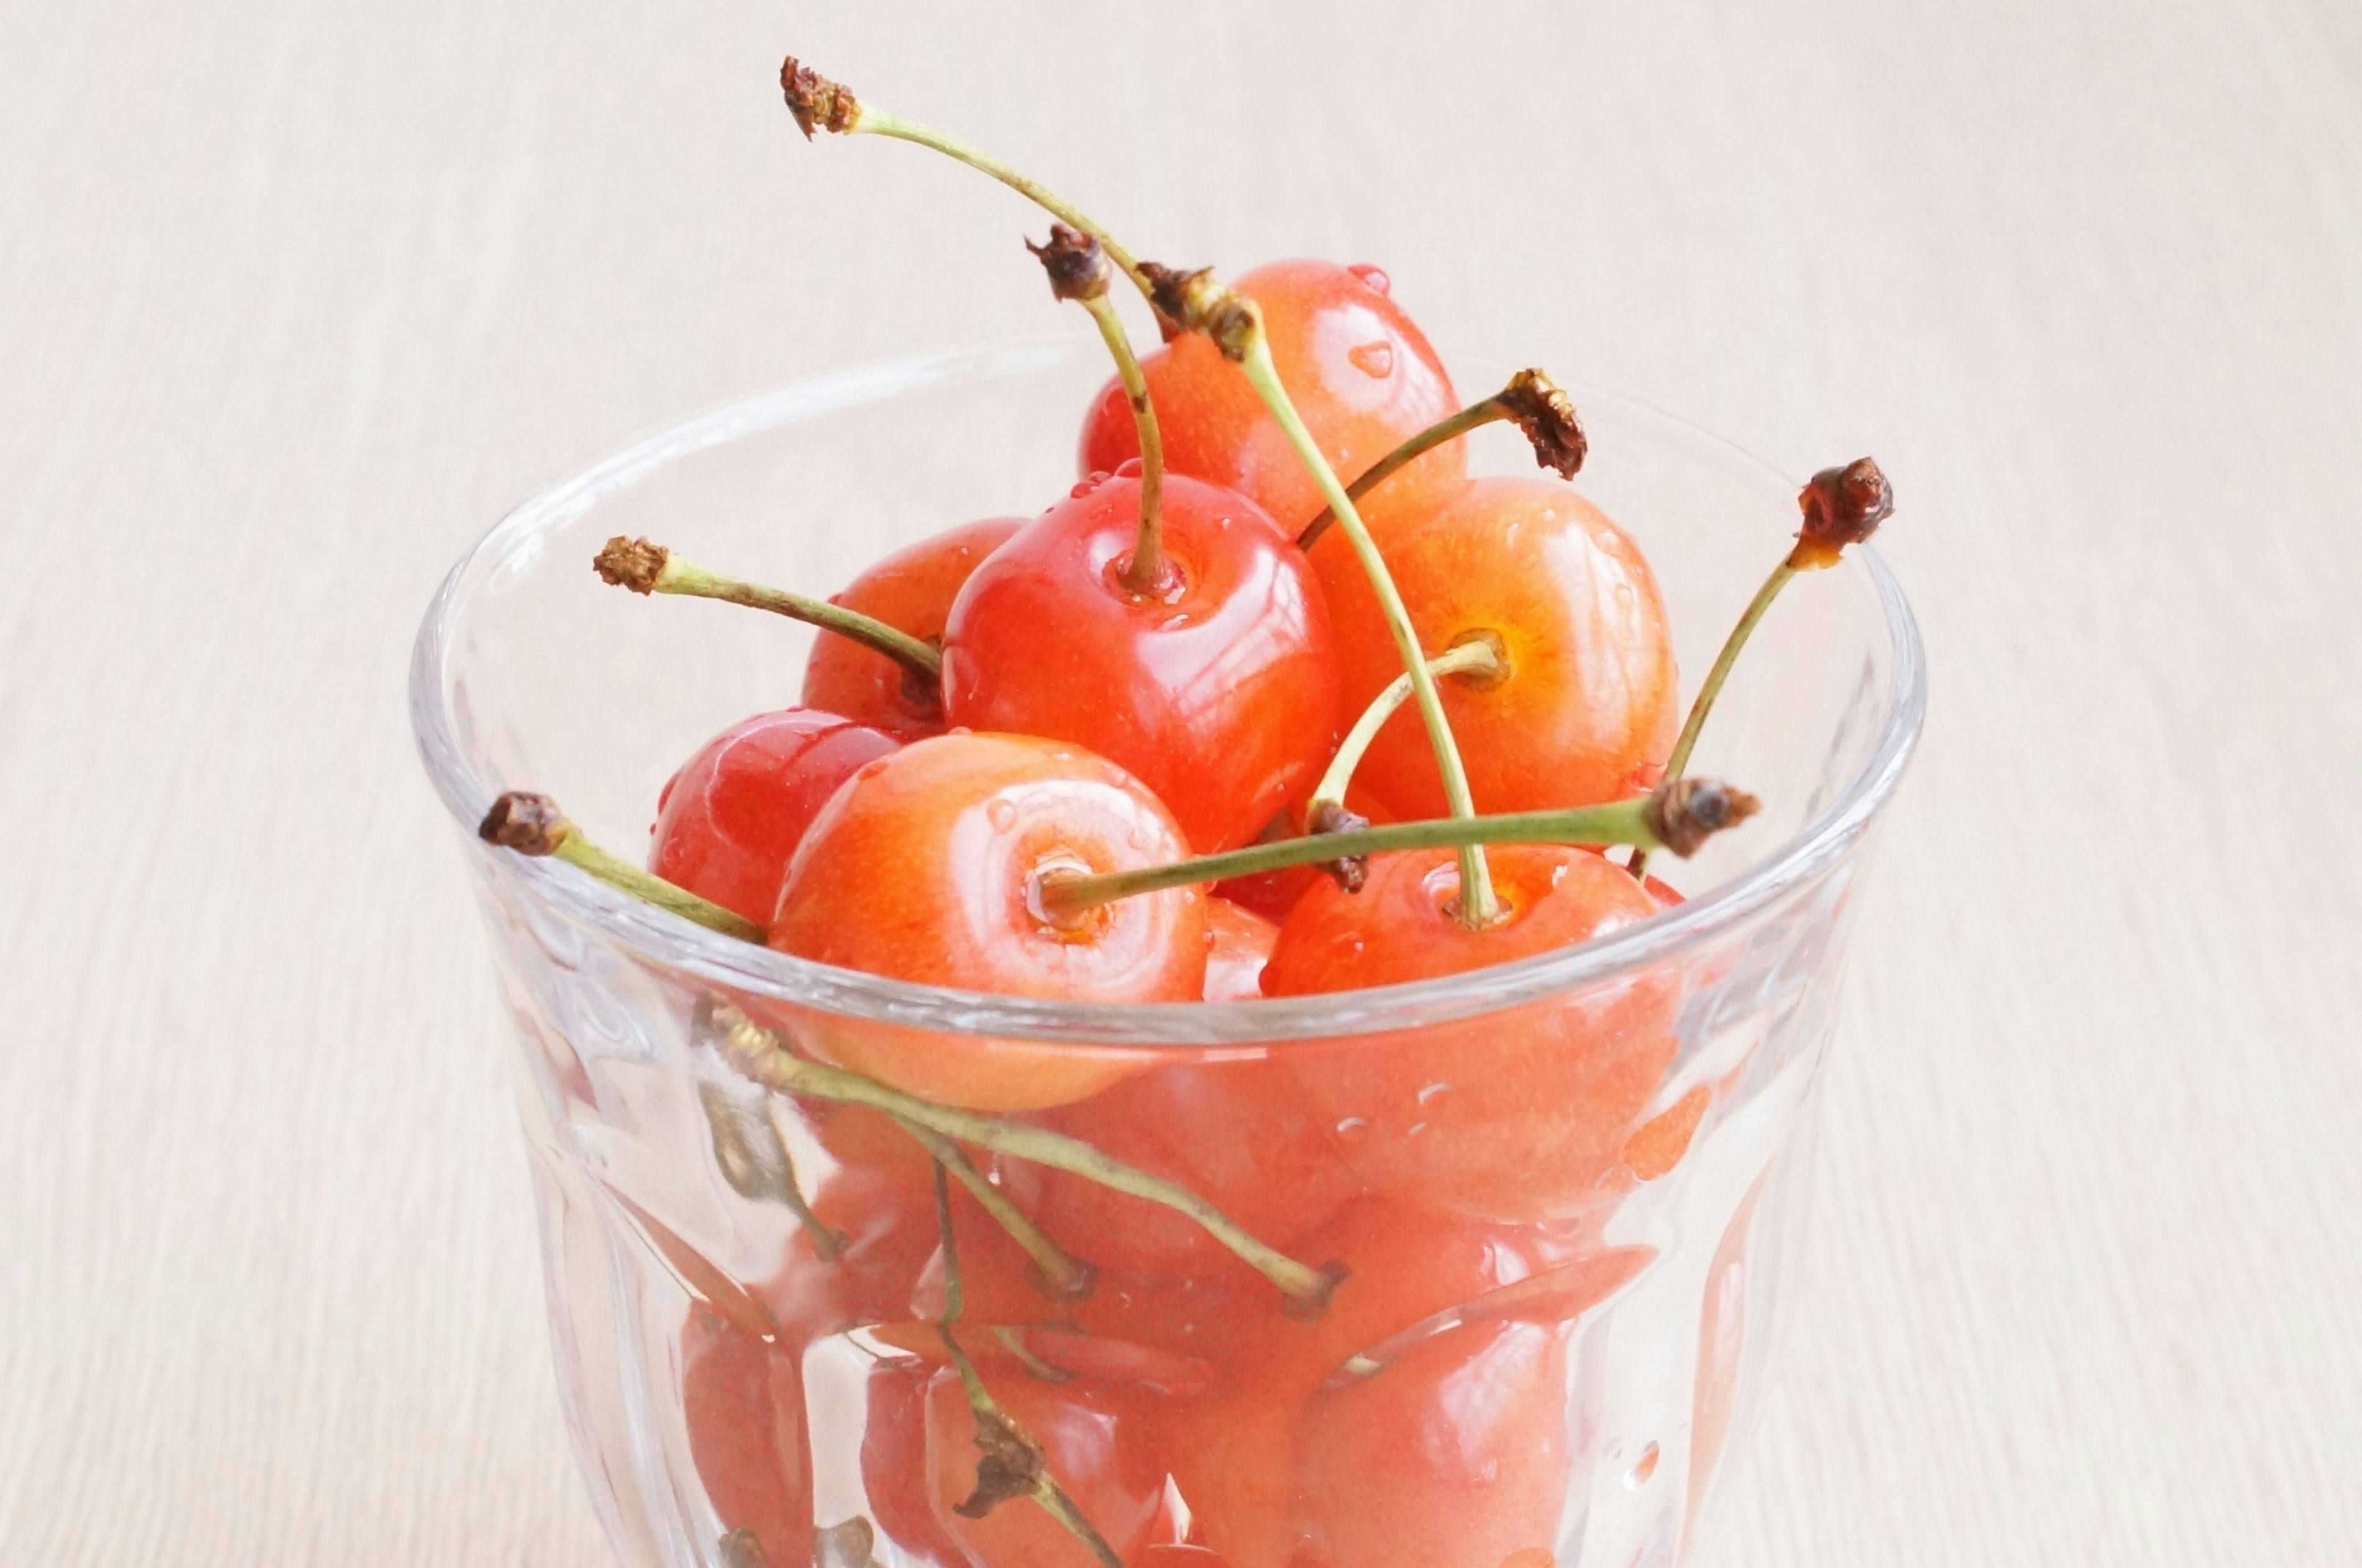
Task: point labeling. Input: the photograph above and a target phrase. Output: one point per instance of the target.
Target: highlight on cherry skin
(729, 819)
(926, 865)
(1299, 1306)
(1218, 692)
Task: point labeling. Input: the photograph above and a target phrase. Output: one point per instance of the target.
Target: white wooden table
(294, 298)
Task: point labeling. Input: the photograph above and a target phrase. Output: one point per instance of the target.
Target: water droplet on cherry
(1374, 279)
(1087, 483)
(1430, 1091)
(1128, 469)
(1001, 815)
(1352, 1128)
(1374, 360)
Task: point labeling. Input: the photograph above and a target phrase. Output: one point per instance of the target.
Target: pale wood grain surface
(295, 298)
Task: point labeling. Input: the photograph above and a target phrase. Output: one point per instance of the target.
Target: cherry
(1515, 1116)
(1453, 1456)
(894, 1463)
(728, 820)
(886, 1223)
(1219, 692)
(1584, 706)
(743, 1401)
(1238, 946)
(926, 865)
(1362, 377)
(1237, 1453)
(1094, 1443)
(910, 590)
(1238, 1134)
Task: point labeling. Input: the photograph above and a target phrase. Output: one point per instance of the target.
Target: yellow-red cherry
(927, 867)
(1586, 704)
(1360, 372)
(729, 819)
(911, 590)
(1216, 689)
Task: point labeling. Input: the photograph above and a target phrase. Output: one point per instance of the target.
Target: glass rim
(744, 967)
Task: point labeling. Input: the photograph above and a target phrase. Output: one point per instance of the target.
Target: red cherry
(1236, 1454)
(1589, 706)
(911, 590)
(1220, 695)
(886, 1223)
(1452, 1456)
(1513, 1116)
(894, 1463)
(1237, 1133)
(1095, 1445)
(727, 822)
(743, 1401)
(925, 867)
(1360, 372)
(1238, 946)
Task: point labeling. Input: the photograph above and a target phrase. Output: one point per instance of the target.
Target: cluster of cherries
(1212, 727)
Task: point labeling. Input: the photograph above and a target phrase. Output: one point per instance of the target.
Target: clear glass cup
(1565, 1282)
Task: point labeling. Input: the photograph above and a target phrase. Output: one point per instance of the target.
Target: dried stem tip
(526, 823)
(1078, 267)
(1685, 812)
(848, 1545)
(1197, 300)
(634, 564)
(1326, 816)
(1841, 506)
(1543, 411)
(817, 103)
(1008, 1466)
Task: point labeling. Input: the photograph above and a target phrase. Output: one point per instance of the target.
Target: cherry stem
(1012, 1340)
(1473, 657)
(763, 1057)
(1067, 1276)
(871, 120)
(1012, 1462)
(1474, 417)
(1146, 572)
(1841, 507)
(1704, 703)
(1540, 409)
(533, 825)
(1477, 904)
(1637, 820)
(645, 568)
(756, 1162)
